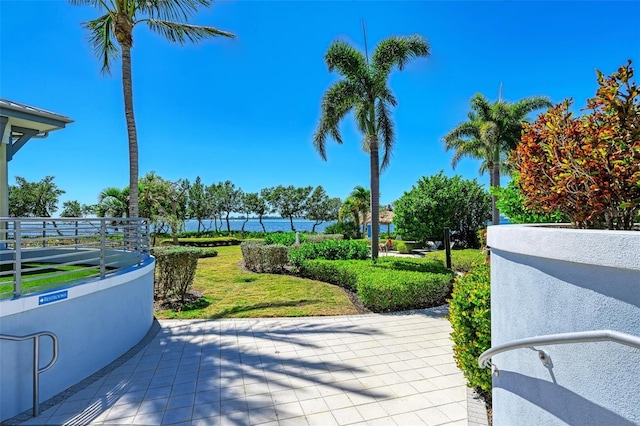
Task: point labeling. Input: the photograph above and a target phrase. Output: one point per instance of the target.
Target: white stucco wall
(550, 280)
(98, 322)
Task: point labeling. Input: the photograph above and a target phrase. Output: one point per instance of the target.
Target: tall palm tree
(111, 35)
(492, 131)
(363, 89)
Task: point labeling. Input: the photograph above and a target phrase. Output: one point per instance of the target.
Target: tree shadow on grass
(237, 309)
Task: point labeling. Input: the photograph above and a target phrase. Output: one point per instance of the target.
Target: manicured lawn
(234, 293)
(47, 278)
(461, 260)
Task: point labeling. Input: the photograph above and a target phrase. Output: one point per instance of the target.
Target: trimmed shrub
(174, 271)
(204, 242)
(470, 316)
(413, 264)
(208, 252)
(390, 285)
(330, 271)
(317, 238)
(284, 238)
(383, 289)
(329, 250)
(402, 247)
(263, 258)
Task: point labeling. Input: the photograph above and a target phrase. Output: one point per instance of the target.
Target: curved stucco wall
(553, 280)
(97, 322)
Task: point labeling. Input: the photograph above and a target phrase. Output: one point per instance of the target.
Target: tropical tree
(289, 201)
(111, 36)
(113, 202)
(199, 202)
(363, 89)
(254, 203)
(490, 134)
(320, 208)
(34, 199)
(73, 208)
(438, 202)
(229, 199)
(361, 204)
(167, 199)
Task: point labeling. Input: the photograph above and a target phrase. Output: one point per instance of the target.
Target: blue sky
(245, 110)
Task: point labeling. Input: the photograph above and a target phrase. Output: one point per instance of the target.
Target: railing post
(139, 240)
(17, 255)
(103, 246)
(36, 375)
(76, 239)
(447, 246)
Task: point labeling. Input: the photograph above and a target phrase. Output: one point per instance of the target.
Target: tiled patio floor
(364, 369)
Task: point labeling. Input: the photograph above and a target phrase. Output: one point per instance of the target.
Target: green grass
(230, 292)
(44, 279)
(461, 260)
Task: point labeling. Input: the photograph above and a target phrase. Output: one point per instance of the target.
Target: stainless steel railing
(36, 361)
(41, 253)
(560, 339)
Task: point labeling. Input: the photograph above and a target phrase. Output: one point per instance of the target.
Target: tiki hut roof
(386, 217)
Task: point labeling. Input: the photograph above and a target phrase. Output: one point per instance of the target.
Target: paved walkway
(362, 369)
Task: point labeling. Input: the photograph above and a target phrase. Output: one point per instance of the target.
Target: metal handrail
(36, 361)
(560, 339)
(64, 241)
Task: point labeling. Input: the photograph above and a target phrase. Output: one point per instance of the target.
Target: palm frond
(337, 101)
(482, 107)
(99, 4)
(172, 10)
(102, 40)
(523, 107)
(386, 132)
(180, 33)
(396, 52)
(385, 95)
(362, 120)
(347, 61)
(467, 129)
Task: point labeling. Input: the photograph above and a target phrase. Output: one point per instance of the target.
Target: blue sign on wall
(53, 297)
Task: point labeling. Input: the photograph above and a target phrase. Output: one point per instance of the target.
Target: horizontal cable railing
(36, 361)
(560, 339)
(39, 254)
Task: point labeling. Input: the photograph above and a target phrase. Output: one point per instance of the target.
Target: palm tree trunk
(495, 182)
(127, 87)
(375, 196)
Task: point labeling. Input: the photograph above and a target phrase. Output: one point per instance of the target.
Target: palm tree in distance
(111, 35)
(362, 202)
(492, 131)
(363, 89)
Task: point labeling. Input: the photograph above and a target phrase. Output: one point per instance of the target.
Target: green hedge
(284, 238)
(264, 258)
(329, 250)
(204, 242)
(318, 238)
(174, 271)
(342, 273)
(390, 285)
(470, 316)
